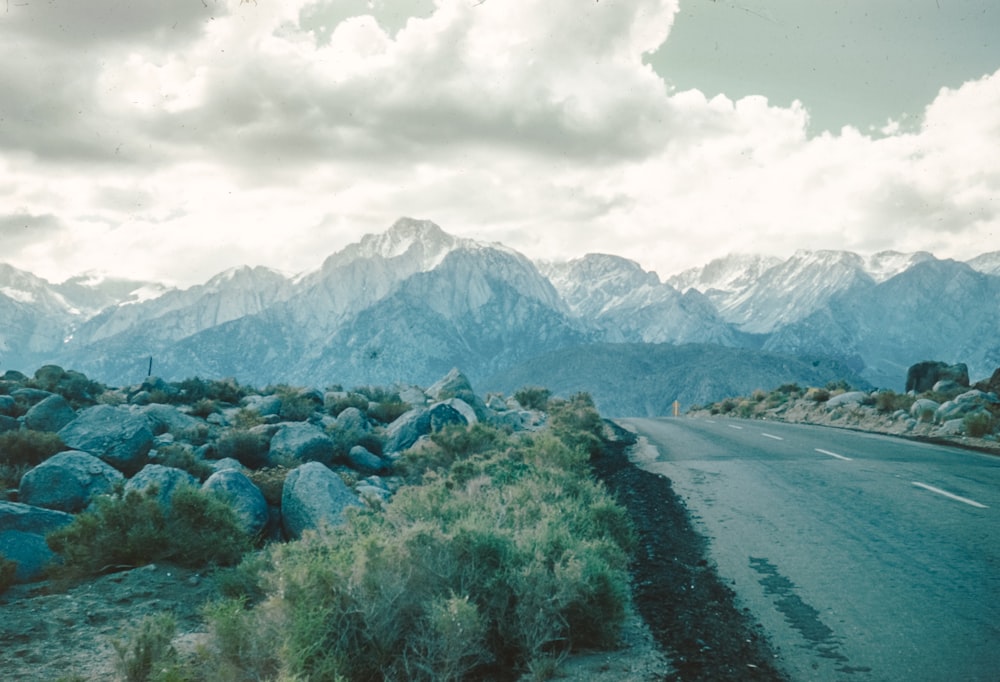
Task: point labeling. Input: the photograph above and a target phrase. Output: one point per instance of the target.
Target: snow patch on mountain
(987, 263)
(887, 264)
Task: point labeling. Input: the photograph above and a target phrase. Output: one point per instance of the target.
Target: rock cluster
(157, 437)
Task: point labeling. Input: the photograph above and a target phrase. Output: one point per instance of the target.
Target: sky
(169, 141)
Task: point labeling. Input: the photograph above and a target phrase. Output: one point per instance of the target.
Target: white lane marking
(832, 454)
(767, 435)
(952, 496)
(709, 421)
(733, 426)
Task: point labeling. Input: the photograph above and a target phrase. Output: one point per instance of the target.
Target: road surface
(864, 557)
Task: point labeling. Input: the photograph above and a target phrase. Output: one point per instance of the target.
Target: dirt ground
(683, 625)
(48, 633)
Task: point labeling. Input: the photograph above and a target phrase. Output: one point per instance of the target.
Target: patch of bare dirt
(48, 633)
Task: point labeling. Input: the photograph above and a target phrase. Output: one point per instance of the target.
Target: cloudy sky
(172, 140)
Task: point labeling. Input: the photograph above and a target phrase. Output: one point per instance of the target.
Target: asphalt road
(864, 557)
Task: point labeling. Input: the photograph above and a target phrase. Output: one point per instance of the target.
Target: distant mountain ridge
(412, 302)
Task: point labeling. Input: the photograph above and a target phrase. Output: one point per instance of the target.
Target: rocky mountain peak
(987, 263)
(734, 272)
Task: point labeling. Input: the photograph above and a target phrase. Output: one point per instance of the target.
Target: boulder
(952, 427)
(511, 419)
(165, 479)
(457, 385)
(29, 519)
(420, 421)
(922, 376)
(463, 408)
(51, 414)
(8, 406)
(8, 423)
(353, 419)
(314, 496)
(496, 403)
(29, 551)
(167, 419)
(30, 396)
(453, 384)
(245, 499)
(141, 398)
(227, 464)
(960, 406)
(151, 384)
(264, 405)
(948, 387)
(67, 481)
(979, 397)
(924, 409)
(991, 385)
(846, 399)
(114, 434)
(412, 395)
(407, 429)
(363, 460)
(300, 442)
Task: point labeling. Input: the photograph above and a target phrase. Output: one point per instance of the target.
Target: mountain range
(409, 304)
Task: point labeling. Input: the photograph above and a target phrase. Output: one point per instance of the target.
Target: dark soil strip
(690, 612)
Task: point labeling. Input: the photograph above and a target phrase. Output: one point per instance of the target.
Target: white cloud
(179, 143)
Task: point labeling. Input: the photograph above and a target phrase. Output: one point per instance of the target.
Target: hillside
(633, 379)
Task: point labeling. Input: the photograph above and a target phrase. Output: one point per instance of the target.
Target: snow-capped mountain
(414, 301)
(730, 274)
(987, 263)
(936, 309)
(626, 303)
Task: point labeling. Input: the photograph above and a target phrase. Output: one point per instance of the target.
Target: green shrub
(386, 412)
(28, 447)
(577, 422)
(133, 529)
(350, 400)
(226, 391)
(148, 649)
(378, 394)
(978, 424)
(160, 397)
(8, 569)
(464, 441)
(512, 555)
(745, 409)
(818, 395)
(296, 408)
(840, 385)
(533, 398)
(179, 457)
(204, 407)
(271, 482)
(244, 642)
(250, 449)
(245, 581)
(889, 401)
(246, 418)
(727, 406)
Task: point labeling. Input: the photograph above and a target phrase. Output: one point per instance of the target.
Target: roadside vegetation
(956, 412)
(502, 555)
(497, 555)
